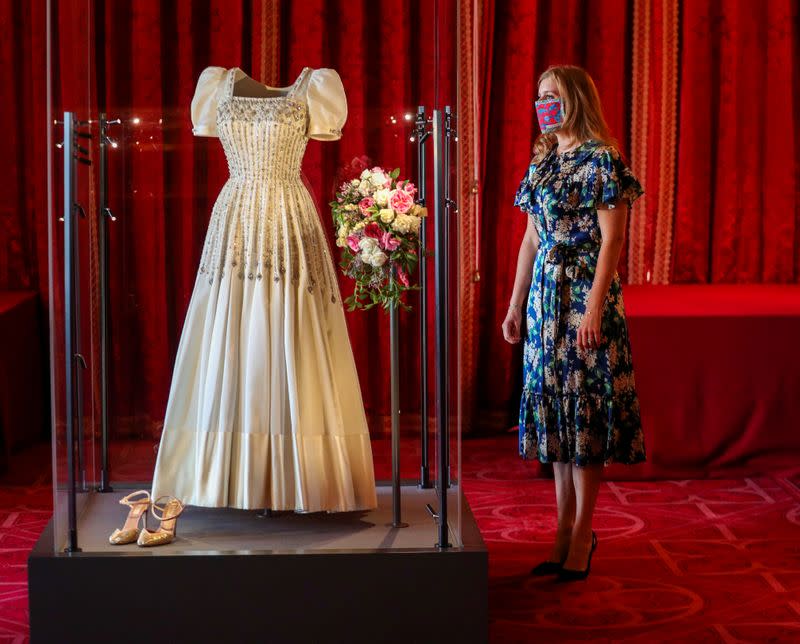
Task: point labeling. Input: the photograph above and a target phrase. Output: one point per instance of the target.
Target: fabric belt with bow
(563, 262)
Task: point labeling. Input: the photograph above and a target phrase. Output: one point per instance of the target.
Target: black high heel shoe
(566, 574)
(547, 568)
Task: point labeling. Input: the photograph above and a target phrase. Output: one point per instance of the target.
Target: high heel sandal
(547, 568)
(567, 574)
(166, 532)
(138, 509)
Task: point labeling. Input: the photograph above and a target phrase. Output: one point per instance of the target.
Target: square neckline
(288, 95)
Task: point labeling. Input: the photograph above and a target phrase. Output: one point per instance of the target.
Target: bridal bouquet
(377, 226)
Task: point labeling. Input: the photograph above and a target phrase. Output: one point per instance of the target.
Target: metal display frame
(440, 129)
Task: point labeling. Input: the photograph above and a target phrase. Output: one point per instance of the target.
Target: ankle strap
(131, 499)
(171, 501)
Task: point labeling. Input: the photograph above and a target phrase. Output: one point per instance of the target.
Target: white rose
(368, 245)
(365, 188)
(386, 215)
(378, 179)
(371, 253)
(406, 223)
(378, 258)
(365, 174)
(355, 182)
(381, 197)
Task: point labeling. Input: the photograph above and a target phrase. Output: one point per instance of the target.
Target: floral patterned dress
(577, 405)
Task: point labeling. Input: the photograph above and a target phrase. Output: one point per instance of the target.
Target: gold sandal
(138, 509)
(169, 520)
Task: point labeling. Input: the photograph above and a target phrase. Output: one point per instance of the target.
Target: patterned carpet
(678, 561)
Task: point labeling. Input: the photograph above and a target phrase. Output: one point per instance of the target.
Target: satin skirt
(265, 408)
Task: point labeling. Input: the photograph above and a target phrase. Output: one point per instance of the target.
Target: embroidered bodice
(264, 137)
(264, 219)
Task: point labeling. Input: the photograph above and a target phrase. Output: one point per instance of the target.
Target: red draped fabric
(738, 192)
(23, 205)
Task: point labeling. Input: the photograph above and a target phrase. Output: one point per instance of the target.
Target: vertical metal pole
(445, 141)
(394, 340)
(79, 361)
(69, 349)
(105, 484)
(442, 409)
(422, 134)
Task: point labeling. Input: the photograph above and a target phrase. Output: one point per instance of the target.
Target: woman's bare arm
(522, 284)
(612, 228)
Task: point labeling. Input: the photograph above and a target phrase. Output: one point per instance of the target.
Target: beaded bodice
(264, 223)
(263, 137)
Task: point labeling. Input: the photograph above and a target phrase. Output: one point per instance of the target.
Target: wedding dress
(265, 407)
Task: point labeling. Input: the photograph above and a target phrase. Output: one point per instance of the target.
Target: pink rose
(364, 204)
(376, 168)
(408, 187)
(388, 242)
(400, 201)
(402, 276)
(352, 242)
(372, 229)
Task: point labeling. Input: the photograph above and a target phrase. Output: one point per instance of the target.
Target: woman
(579, 408)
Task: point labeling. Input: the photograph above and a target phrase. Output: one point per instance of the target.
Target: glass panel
(447, 20)
(137, 65)
(69, 59)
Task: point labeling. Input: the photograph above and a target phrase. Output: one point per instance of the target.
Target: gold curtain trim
(270, 42)
(639, 113)
(668, 144)
(468, 203)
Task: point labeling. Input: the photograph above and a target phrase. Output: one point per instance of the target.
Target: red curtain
(23, 206)
(738, 195)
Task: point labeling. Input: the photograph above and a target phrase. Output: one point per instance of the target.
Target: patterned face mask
(550, 114)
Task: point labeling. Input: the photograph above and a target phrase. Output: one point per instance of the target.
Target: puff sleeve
(611, 180)
(327, 105)
(204, 102)
(523, 199)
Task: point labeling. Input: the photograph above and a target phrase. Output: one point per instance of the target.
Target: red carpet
(678, 561)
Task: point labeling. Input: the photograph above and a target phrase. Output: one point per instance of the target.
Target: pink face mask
(550, 114)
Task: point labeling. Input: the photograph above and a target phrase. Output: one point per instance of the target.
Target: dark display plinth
(233, 576)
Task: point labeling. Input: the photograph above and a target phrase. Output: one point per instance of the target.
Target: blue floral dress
(577, 405)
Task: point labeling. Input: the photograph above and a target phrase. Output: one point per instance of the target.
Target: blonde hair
(583, 112)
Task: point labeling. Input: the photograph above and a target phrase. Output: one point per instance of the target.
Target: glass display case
(125, 253)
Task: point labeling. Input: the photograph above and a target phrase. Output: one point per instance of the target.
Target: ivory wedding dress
(265, 407)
